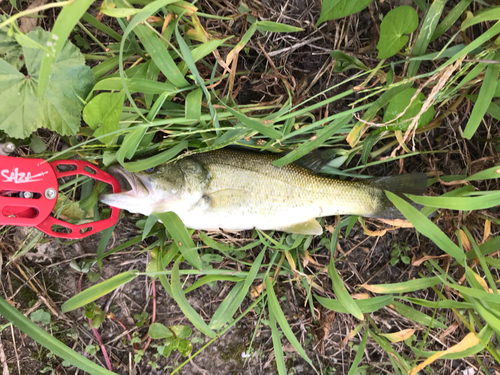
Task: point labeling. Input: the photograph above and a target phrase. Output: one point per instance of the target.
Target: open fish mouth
(130, 183)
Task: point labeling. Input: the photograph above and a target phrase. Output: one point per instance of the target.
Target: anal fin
(307, 227)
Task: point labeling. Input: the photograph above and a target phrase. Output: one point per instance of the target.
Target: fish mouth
(130, 183)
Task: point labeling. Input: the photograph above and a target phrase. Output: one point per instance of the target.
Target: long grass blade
(97, 291)
(48, 341)
(427, 227)
(280, 318)
(184, 305)
(181, 237)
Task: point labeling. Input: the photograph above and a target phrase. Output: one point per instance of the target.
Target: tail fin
(411, 183)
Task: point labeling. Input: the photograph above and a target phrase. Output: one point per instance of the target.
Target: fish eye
(150, 170)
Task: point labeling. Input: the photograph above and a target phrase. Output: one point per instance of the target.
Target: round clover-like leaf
(399, 104)
(60, 110)
(398, 22)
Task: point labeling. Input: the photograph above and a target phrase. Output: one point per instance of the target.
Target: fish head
(166, 187)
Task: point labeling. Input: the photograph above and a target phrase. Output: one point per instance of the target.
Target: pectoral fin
(307, 227)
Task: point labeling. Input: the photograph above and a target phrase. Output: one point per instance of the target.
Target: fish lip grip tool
(29, 190)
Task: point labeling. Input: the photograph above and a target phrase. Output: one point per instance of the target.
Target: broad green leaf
(40, 316)
(486, 93)
(60, 108)
(57, 42)
(427, 227)
(180, 331)
(398, 22)
(159, 331)
(365, 305)
(181, 237)
(187, 309)
(342, 294)
(400, 104)
(274, 305)
(27, 42)
(48, 341)
(333, 9)
(104, 111)
(10, 50)
(97, 291)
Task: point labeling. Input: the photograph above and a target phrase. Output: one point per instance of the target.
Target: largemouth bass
(236, 190)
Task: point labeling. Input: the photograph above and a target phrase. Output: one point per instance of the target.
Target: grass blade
(307, 147)
(64, 25)
(256, 125)
(280, 318)
(484, 99)
(211, 278)
(153, 161)
(417, 316)
(223, 315)
(49, 342)
(427, 227)
(461, 203)
(340, 291)
(184, 305)
(405, 286)
(278, 348)
(365, 305)
(97, 291)
(181, 237)
(359, 355)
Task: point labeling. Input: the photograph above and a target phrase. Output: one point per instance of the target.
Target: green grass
(168, 92)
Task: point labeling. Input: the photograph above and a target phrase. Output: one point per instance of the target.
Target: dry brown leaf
(487, 230)
(360, 296)
(400, 223)
(468, 342)
(399, 336)
(153, 19)
(465, 241)
(326, 329)
(452, 328)
(418, 262)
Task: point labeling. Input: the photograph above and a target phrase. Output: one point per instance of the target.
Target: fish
(237, 190)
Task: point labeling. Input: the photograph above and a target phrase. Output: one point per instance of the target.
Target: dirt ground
(44, 279)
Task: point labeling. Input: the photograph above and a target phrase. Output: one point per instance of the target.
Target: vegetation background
(389, 87)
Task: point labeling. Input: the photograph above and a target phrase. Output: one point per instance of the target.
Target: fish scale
(238, 190)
